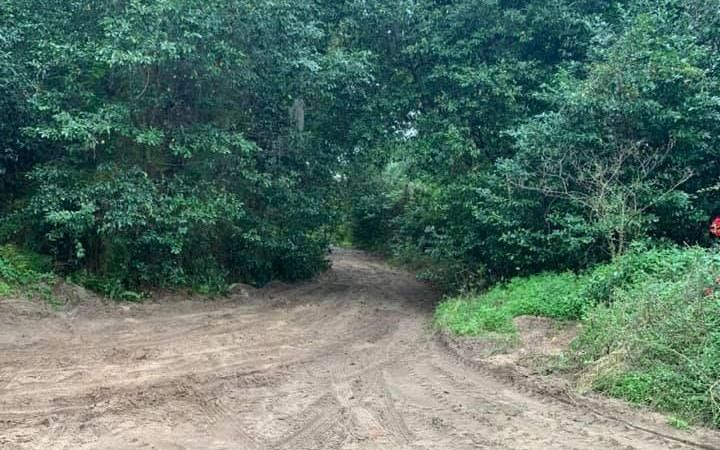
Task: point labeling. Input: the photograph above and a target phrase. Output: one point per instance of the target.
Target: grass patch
(5, 289)
(678, 423)
(549, 295)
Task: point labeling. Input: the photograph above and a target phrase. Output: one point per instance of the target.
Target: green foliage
(377, 200)
(111, 288)
(25, 260)
(372, 215)
(678, 423)
(641, 263)
(650, 325)
(461, 77)
(24, 271)
(652, 339)
(169, 156)
(472, 317)
(547, 136)
(622, 146)
(550, 295)
(656, 342)
(482, 140)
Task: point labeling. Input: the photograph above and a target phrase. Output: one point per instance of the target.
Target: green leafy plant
(650, 325)
(678, 423)
(655, 342)
(23, 271)
(111, 288)
(550, 295)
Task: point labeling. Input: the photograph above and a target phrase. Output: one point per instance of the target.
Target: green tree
(170, 154)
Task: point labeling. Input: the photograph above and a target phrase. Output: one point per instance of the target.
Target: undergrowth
(656, 342)
(651, 326)
(549, 295)
(109, 287)
(25, 272)
(210, 284)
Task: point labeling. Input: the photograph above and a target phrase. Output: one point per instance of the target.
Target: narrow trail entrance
(345, 362)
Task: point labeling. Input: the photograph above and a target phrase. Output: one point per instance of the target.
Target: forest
(557, 158)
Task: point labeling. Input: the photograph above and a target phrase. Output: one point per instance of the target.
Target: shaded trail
(345, 362)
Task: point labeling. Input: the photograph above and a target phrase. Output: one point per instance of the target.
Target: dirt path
(345, 362)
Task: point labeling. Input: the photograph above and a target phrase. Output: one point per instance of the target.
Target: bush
(371, 227)
(657, 342)
(376, 203)
(640, 263)
(22, 269)
(127, 232)
(111, 288)
(5, 289)
(550, 295)
(651, 325)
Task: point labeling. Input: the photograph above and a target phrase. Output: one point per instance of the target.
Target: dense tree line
(181, 143)
(173, 142)
(547, 135)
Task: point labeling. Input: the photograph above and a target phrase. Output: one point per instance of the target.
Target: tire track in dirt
(343, 362)
(611, 414)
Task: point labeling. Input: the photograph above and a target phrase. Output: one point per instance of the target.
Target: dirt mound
(344, 362)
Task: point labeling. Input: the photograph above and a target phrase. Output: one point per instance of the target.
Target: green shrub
(22, 269)
(21, 266)
(371, 221)
(375, 205)
(110, 287)
(665, 263)
(5, 289)
(657, 342)
(651, 325)
(549, 295)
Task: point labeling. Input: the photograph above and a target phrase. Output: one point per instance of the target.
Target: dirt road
(345, 362)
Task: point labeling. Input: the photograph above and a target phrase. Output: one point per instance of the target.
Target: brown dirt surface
(348, 361)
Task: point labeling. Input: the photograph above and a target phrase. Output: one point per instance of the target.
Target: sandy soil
(345, 362)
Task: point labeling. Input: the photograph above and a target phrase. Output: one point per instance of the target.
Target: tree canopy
(176, 143)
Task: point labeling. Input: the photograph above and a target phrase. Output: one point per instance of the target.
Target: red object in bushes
(715, 227)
